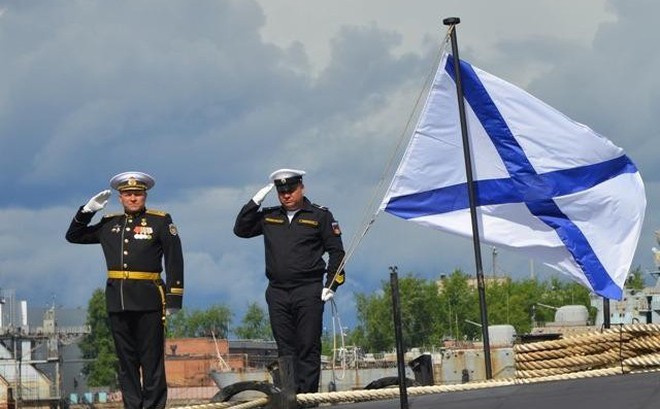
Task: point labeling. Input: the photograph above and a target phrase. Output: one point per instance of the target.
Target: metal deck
(630, 391)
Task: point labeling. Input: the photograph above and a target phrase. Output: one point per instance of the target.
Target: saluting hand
(261, 194)
(97, 202)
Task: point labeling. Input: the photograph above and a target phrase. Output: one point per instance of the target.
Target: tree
(420, 306)
(255, 324)
(459, 302)
(520, 304)
(97, 347)
(433, 311)
(501, 312)
(175, 324)
(375, 331)
(212, 322)
(635, 280)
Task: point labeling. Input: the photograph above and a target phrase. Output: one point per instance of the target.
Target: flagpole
(453, 21)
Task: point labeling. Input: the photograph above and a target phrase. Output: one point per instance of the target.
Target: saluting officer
(135, 243)
(296, 236)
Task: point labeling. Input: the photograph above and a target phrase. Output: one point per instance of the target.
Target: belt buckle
(126, 274)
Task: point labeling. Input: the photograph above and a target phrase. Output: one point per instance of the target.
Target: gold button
(125, 265)
(125, 252)
(125, 240)
(128, 229)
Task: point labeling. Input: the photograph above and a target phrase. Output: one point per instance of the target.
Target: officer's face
(292, 200)
(133, 200)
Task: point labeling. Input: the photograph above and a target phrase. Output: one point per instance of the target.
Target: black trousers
(296, 318)
(140, 344)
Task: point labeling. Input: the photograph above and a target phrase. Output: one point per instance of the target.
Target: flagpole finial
(450, 21)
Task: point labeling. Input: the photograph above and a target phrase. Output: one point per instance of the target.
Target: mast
(453, 21)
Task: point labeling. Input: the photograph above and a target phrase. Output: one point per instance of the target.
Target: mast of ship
(481, 287)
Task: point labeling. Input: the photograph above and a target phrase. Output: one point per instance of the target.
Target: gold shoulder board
(156, 212)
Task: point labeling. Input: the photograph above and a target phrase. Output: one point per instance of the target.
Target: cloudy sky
(211, 96)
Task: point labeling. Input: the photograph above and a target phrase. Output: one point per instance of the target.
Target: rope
(649, 342)
(371, 210)
(337, 320)
(626, 347)
(256, 403)
(566, 352)
(575, 362)
(643, 361)
(390, 393)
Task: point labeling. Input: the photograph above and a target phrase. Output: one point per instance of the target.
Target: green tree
(97, 347)
(197, 323)
(375, 331)
(521, 300)
(432, 311)
(175, 324)
(255, 324)
(518, 303)
(502, 310)
(635, 280)
(459, 302)
(419, 303)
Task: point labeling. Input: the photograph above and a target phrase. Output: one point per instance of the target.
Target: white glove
(170, 311)
(98, 202)
(327, 294)
(261, 194)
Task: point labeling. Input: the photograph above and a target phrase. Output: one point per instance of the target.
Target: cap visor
(132, 189)
(286, 188)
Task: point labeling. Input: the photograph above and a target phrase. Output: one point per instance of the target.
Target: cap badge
(132, 181)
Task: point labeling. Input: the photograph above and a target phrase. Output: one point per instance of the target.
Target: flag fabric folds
(545, 185)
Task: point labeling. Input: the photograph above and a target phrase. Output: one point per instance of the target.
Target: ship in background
(636, 306)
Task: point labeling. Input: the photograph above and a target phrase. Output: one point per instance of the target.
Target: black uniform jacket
(294, 251)
(136, 243)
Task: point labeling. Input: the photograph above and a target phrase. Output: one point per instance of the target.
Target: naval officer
(296, 235)
(136, 243)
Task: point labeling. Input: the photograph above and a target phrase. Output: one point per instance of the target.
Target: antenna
(494, 266)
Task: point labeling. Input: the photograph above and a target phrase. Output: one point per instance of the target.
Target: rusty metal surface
(457, 363)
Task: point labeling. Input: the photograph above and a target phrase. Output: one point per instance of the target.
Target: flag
(546, 186)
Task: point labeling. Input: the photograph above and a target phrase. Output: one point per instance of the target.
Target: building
(31, 354)
(188, 361)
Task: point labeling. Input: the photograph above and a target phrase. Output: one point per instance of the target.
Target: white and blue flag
(545, 185)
